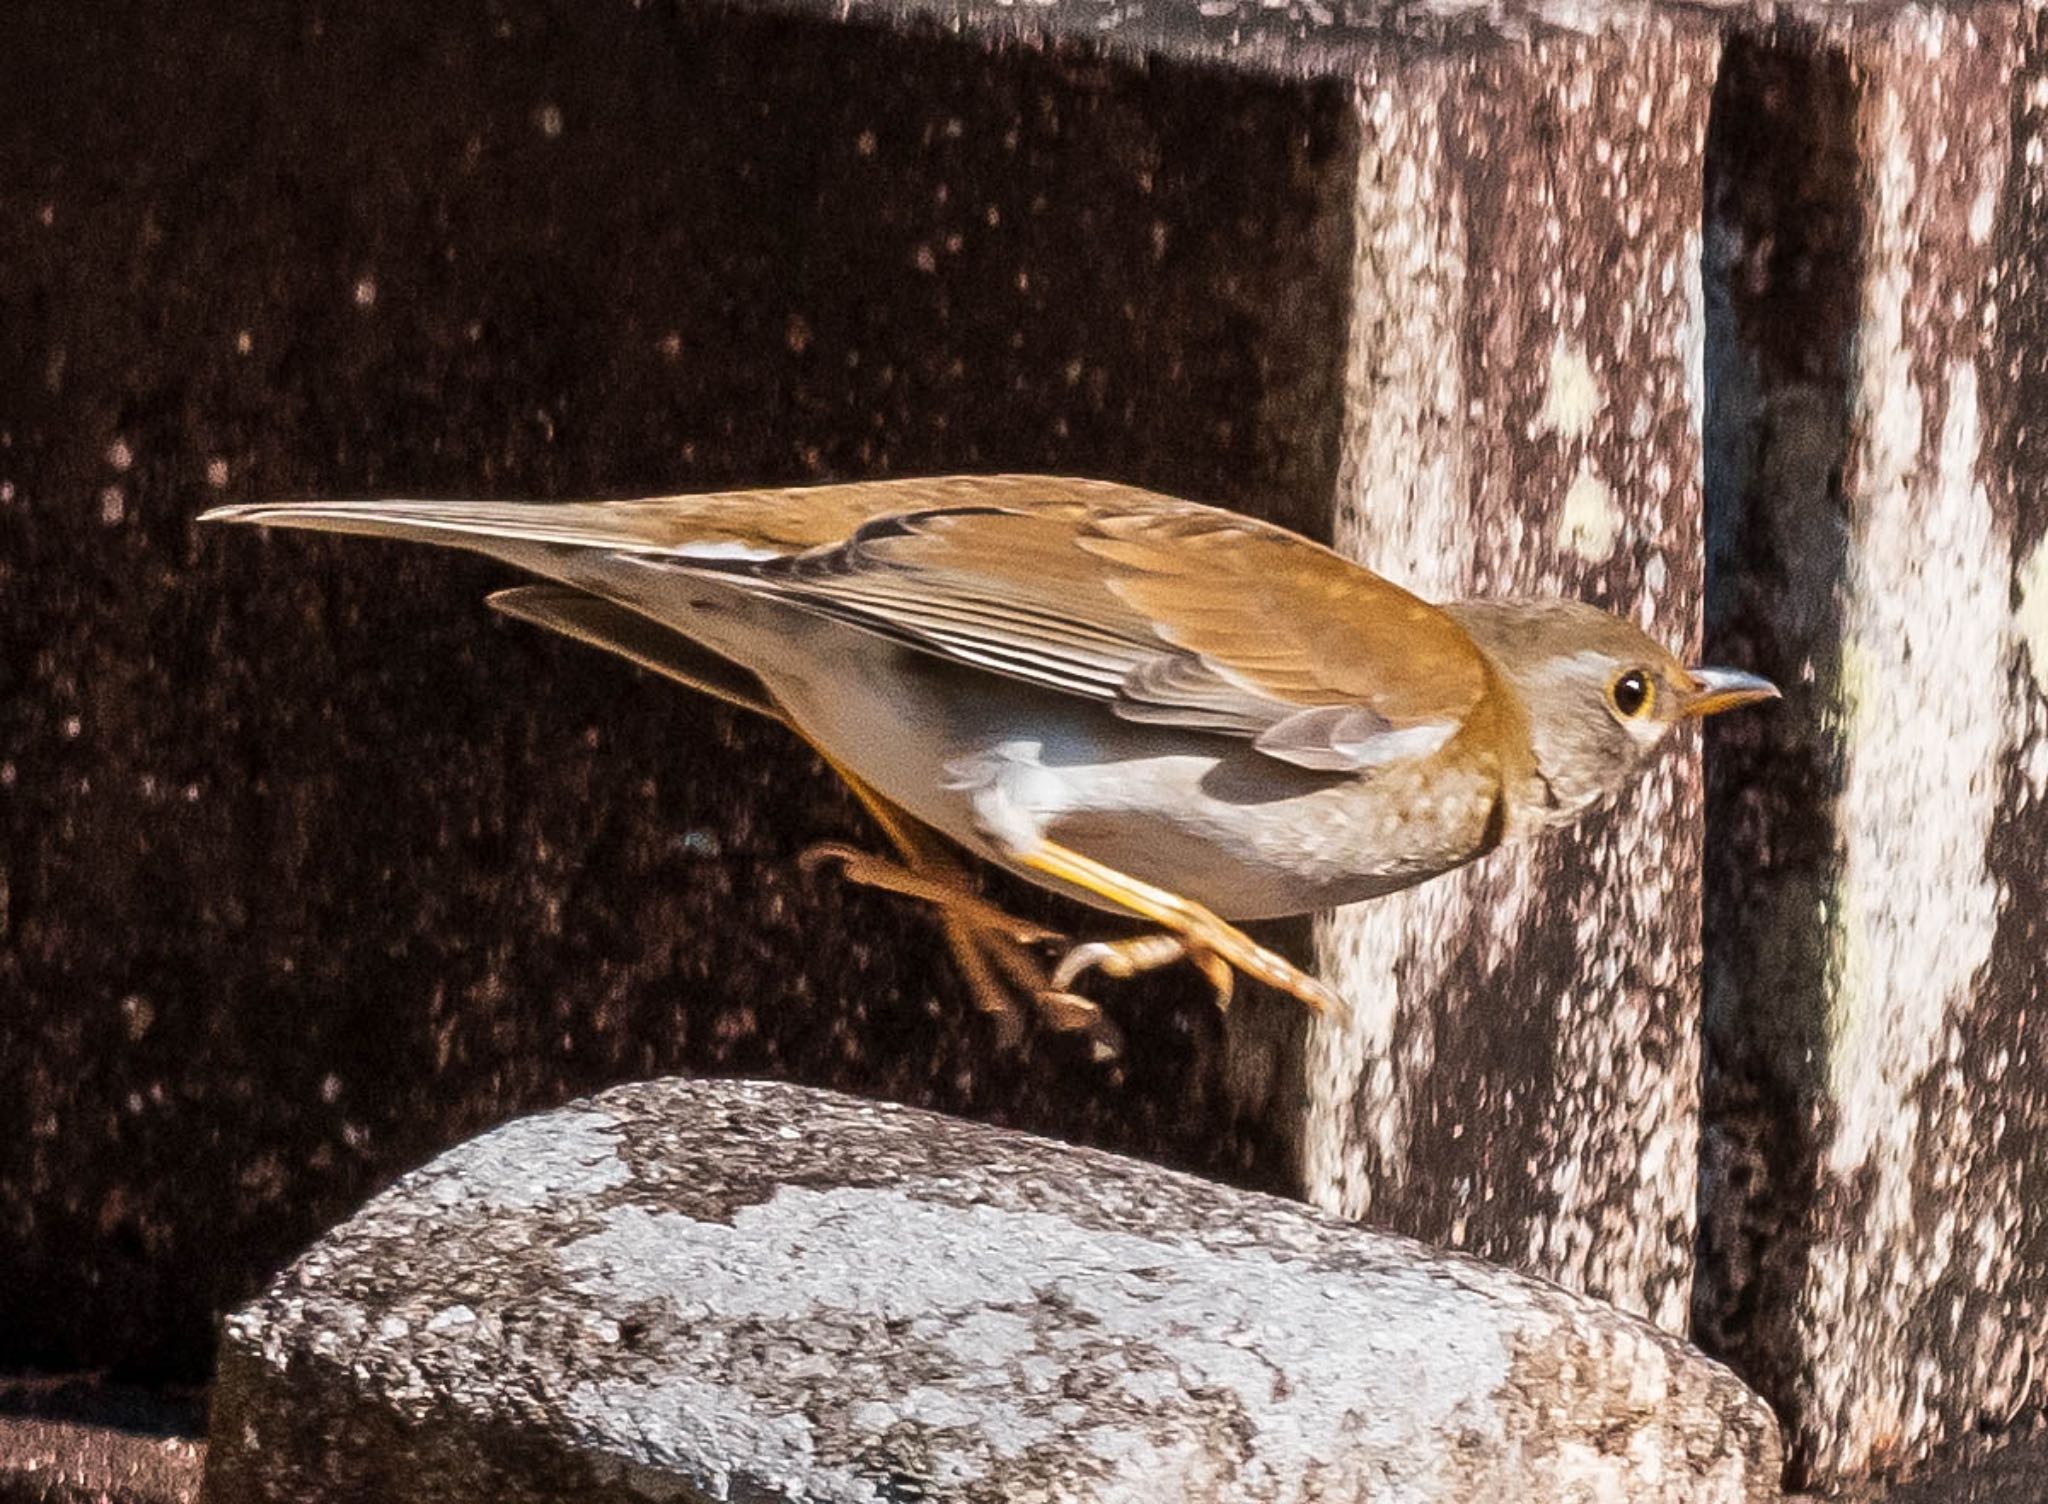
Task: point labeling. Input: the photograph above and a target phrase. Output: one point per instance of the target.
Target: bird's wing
(1167, 612)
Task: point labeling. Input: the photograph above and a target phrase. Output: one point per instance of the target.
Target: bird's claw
(818, 853)
(991, 946)
(1069, 1013)
(1126, 958)
(1092, 955)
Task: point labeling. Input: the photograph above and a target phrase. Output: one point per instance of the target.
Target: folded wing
(1166, 612)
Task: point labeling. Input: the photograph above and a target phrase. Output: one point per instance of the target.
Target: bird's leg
(1192, 932)
(990, 945)
(1126, 958)
(930, 877)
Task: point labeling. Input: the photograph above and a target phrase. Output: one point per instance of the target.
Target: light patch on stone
(450, 1318)
(2032, 619)
(1590, 522)
(1923, 670)
(704, 1435)
(1572, 395)
(1199, 1319)
(986, 1335)
(1983, 216)
(1695, 330)
(1402, 486)
(1913, 916)
(532, 1162)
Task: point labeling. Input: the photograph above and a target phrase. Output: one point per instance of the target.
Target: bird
(1166, 710)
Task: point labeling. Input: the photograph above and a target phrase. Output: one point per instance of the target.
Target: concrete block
(742, 1291)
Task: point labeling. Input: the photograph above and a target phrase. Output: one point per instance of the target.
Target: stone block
(1875, 1254)
(1522, 393)
(743, 1291)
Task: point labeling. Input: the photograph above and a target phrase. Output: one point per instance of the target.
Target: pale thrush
(1160, 708)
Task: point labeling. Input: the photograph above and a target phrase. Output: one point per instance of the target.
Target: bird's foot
(995, 950)
(1124, 958)
(944, 888)
(1190, 932)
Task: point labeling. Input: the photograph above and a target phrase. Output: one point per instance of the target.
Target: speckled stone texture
(1521, 395)
(743, 1291)
(1876, 1252)
(308, 868)
(64, 1462)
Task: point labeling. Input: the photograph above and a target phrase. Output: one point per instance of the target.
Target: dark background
(308, 866)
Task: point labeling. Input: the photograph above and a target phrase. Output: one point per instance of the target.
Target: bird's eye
(1632, 693)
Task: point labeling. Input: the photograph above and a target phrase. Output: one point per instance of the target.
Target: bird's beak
(1719, 689)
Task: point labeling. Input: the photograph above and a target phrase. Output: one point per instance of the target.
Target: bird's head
(1600, 695)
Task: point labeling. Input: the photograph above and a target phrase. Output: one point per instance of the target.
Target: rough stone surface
(740, 1291)
(2006, 1474)
(87, 1441)
(63, 1462)
(1876, 1254)
(1521, 416)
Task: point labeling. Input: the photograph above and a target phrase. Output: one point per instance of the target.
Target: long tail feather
(722, 525)
(581, 524)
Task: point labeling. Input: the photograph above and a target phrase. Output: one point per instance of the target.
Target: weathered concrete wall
(1522, 391)
(1877, 1141)
(738, 1291)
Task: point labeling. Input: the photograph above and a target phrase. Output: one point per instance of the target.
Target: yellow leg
(1193, 931)
(930, 878)
(989, 944)
(1126, 958)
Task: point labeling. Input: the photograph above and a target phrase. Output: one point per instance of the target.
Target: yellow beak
(1719, 689)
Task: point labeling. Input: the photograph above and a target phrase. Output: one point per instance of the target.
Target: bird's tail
(493, 527)
(721, 525)
(602, 550)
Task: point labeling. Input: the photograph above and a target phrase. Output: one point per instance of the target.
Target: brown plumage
(1159, 707)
